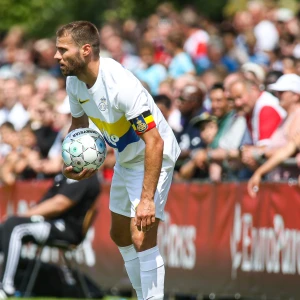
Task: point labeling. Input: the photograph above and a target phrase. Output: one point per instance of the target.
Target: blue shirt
(181, 64)
(153, 76)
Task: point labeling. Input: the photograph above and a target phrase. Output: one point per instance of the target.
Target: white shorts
(126, 189)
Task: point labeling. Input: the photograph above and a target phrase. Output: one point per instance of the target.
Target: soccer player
(102, 90)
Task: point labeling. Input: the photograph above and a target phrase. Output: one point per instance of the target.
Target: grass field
(105, 298)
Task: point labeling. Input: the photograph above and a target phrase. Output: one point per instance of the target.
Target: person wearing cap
(207, 125)
(271, 77)
(287, 88)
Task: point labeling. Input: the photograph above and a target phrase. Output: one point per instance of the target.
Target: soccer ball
(84, 148)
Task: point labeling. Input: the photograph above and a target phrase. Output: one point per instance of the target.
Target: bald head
(244, 93)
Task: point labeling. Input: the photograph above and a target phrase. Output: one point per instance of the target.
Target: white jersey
(122, 109)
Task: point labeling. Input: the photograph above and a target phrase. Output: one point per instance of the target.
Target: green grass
(105, 298)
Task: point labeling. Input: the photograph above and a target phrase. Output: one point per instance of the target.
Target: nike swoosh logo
(83, 101)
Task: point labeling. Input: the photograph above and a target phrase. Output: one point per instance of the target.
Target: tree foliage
(41, 17)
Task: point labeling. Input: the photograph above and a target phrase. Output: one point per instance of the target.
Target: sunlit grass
(105, 298)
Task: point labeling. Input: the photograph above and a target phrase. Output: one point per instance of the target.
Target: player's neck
(89, 76)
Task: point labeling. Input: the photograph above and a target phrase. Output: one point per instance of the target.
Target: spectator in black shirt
(59, 215)
(190, 104)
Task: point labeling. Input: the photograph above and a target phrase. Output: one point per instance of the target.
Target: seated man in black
(58, 215)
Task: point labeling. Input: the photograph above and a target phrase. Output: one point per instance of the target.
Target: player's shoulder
(114, 69)
(71, 82)
(72, 79)
(115, 74)
(109, 64)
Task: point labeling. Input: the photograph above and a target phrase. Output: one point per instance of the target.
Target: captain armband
(142, 123)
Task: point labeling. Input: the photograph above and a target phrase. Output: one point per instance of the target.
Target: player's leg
(121, 235)
(120, 207)
(17, 230)
(152, 268)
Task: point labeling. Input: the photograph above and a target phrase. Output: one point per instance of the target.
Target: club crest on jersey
(103, 104)
(140, 124)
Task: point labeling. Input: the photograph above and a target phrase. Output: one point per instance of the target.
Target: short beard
(75, 67)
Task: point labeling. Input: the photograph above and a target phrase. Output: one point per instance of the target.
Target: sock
(152, 274)
(132, 265)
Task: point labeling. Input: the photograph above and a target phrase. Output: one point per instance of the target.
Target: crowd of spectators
(229, 90)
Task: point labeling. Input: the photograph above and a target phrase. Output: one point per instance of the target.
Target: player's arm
(153, 162)
(133, 100)
(50, 208)
(81, 122)
(154, 144)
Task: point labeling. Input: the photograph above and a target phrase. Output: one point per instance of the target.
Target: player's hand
(145, 215)
(253, 184)
(84, 174)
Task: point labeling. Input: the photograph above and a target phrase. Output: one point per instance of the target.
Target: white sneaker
(8, 289)
(3, 294)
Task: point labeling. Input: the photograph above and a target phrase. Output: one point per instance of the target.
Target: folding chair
(64, 248)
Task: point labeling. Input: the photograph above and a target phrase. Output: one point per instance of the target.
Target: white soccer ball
(84, 148)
